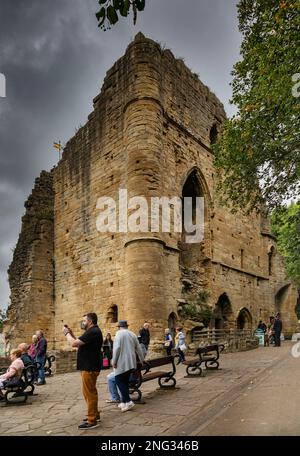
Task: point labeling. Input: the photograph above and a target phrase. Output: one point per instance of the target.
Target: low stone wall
(231, 344)
(237, 345)
(65, 361)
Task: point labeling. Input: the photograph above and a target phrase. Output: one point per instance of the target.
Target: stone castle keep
(150, 132)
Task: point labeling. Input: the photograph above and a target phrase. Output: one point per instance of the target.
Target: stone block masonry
(150, 132)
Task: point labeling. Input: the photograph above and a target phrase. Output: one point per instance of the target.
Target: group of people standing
(272, 332)
(108, 345)
(126, 352)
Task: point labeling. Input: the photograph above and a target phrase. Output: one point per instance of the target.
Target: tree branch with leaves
(258, 154)
(111, 10)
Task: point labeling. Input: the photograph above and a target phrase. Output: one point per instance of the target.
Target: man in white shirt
(125, 352)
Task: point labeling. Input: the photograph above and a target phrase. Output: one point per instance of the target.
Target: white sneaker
(127, 406)
(121, 405)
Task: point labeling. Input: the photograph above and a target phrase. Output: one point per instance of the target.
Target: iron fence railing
(218, 335)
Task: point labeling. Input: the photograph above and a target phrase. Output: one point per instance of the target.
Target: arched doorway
(112, 314)
(192, 252)
(280, 298)
(172, 323)
(222, 313)
(244, 319)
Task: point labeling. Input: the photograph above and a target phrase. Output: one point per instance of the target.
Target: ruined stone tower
(150, 132)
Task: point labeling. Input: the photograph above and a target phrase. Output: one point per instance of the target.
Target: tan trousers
(90, 395)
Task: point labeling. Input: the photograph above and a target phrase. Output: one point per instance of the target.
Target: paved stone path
(254, 392)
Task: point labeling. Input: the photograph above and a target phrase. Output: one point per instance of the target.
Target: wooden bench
(208, 355)
(144, 374)
(17, 391)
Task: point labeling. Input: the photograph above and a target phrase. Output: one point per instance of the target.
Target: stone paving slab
(58, 407)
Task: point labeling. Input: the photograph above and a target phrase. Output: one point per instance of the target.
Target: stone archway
(112, 314)
(172, 322)
(222, 316)
(244, 319)
(195, 250)
(281, 297)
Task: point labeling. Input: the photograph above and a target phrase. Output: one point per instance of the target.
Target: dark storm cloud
(54, 59)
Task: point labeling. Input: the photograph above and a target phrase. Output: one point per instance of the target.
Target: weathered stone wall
(150, 133)
(65, 361)
(31, 271)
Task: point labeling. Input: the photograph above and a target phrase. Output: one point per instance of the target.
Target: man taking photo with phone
(89, 362)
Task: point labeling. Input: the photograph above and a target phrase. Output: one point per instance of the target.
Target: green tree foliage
(196, 308)
(286, 226)
(2, 318)
(261, 144)
(111, 10)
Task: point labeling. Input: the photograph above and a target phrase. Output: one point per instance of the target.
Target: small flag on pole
(58, 146)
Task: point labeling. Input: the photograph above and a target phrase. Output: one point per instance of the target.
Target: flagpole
(57, 145)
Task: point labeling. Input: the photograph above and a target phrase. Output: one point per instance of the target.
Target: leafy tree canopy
(261, 144)
(286, 226)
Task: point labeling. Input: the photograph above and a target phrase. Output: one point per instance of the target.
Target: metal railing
(220, 335)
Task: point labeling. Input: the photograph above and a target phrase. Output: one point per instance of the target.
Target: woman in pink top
(14, 370)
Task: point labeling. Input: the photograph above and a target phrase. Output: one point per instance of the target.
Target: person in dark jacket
(41, 351)
(144, 338)
(277, 328)
(89, 363)
(262, 326)
(108, 345)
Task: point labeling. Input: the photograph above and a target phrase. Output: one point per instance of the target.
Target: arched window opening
(112, 315)
(213, 135)
(244, 319)
(270, 259)
(222, 313)
(172, 323)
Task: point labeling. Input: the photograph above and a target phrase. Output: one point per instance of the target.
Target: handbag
(168, 343)
(105, 362)
(183, 347)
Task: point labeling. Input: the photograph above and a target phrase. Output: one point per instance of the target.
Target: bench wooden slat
(152, 375)
(143, 374)
(191, 360)
(157, 362)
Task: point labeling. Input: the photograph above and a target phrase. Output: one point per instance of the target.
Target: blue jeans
(41, 359)
(122, 382)
(112, 387)
(144, 349)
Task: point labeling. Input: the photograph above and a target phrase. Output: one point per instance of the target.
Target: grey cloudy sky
(54, 58)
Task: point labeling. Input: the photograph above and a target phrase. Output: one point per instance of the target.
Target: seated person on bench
(14, 370)
(27, 360)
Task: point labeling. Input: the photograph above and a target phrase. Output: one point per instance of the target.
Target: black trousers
(181, 354)
(168, 350)
(277, 339)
